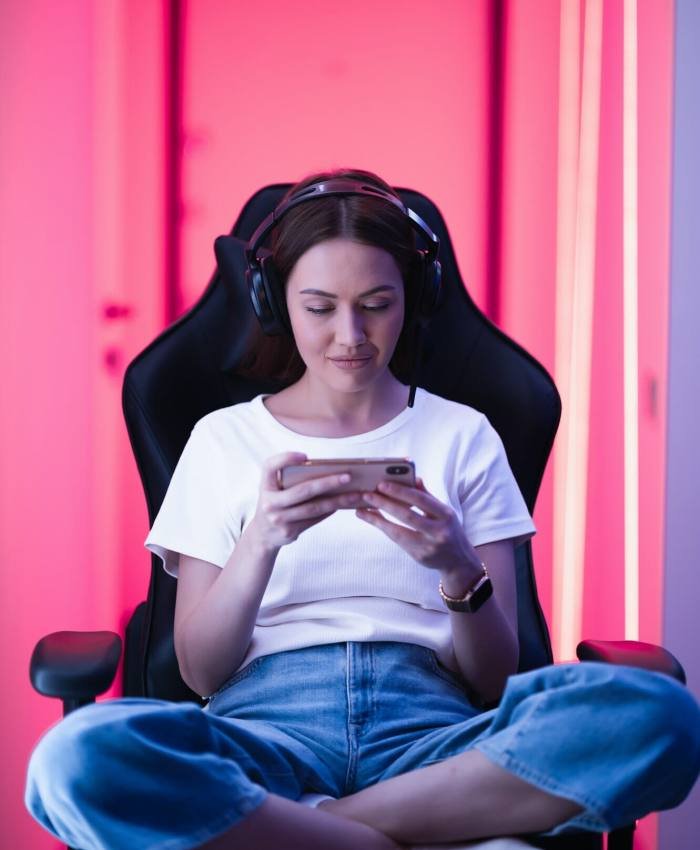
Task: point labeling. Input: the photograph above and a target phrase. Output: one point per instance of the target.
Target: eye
(318, 311)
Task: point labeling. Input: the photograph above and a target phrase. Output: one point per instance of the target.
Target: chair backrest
(190, 370)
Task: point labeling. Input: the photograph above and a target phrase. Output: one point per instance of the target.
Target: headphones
(264, 286)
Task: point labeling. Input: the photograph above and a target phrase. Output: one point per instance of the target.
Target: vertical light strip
(567, 170)
(630, 318)
(575, 460)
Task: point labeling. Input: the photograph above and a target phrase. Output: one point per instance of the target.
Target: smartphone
(365, 473)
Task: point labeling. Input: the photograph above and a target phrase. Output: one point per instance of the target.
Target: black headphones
(264, 286)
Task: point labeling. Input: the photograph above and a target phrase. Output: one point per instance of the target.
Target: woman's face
(346, 300)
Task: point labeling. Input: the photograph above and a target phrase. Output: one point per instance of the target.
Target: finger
(311, 489)
(403, 512)
(412, 496)
(307, 522)
(398, 533)
(275, 462)
(320, 508)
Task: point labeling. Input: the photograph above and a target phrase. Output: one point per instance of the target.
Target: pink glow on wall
(45, 327)
(655, 33)
(603, 592)
(270, 97)
(532, 215)
(80, 211)
(605, 538)
(529, 221)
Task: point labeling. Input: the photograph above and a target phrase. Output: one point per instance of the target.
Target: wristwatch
(474, 598)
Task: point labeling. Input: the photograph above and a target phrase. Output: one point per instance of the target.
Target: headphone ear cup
(275, 294)
(434, 286)
(263, 287)
(429, 280)
(258, 298)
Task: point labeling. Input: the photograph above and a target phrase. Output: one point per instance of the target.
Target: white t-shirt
(342, 579)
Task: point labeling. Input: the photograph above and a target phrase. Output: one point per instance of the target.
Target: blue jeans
(333, 719)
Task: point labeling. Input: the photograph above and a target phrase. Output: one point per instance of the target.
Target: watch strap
(475, 596)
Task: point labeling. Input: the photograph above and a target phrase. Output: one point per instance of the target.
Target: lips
(352, 363)
(347, 359)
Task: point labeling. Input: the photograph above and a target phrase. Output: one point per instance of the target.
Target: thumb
(276, 462)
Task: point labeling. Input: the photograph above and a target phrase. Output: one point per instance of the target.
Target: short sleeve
(195, 518)
(493, 507)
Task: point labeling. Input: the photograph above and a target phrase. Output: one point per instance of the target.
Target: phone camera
(397, 470)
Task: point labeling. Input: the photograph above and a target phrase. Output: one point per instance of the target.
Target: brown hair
(362, 218)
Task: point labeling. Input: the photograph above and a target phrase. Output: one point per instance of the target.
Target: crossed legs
(135, 772)
(553, 719)
(464, 797)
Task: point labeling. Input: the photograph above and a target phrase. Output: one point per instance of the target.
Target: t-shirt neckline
(365, 437)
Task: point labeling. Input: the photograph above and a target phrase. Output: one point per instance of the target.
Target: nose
(350, 327)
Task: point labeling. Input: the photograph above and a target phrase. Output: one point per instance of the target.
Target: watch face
(480, 595)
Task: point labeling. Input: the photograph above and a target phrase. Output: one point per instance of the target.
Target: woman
(360, 675)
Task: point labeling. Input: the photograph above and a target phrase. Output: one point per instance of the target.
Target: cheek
(398, 324)
(309, 335)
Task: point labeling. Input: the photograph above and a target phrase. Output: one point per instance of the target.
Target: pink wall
(656, 73)
(81, 223)
(529, 212)
(273, 92)
(47, 491)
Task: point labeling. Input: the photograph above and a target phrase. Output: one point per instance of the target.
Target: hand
(282, 515)
(435, 538)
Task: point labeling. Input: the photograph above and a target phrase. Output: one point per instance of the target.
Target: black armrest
(75, 666)
(633, 653)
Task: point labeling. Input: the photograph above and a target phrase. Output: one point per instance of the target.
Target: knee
(76, 756)
(666, 718)
(66, 753)
(675, 722)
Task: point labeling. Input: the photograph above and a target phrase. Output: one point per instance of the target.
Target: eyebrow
(330, 294)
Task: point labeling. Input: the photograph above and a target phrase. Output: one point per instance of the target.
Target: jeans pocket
(237, 677)
(444, 673)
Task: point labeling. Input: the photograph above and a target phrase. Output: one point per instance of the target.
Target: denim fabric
(334, 719)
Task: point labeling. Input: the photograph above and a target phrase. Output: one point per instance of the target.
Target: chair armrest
(75, 666)
(633, 653)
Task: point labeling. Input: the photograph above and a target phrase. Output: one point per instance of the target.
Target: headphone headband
(340, 186)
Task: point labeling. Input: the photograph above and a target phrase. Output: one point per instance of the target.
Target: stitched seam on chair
(147, 629)
(135, 398)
